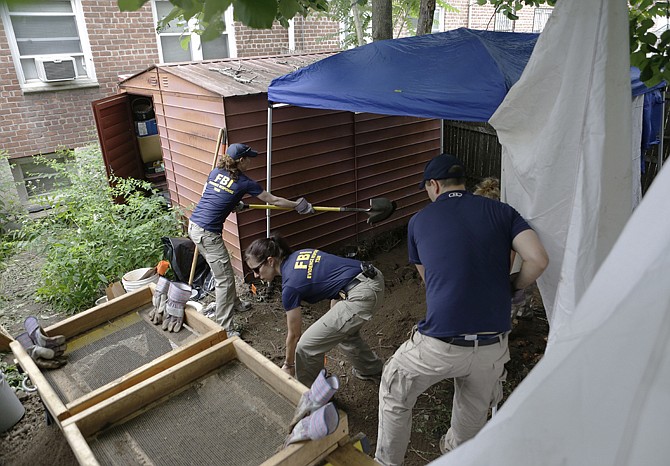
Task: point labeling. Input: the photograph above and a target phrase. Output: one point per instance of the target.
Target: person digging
(226, 186)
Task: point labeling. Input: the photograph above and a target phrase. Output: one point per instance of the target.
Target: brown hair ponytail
(227, 163)
(262, 248)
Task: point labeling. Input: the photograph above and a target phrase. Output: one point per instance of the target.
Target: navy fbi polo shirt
(220, 197)
(312, 275)
(464, 242)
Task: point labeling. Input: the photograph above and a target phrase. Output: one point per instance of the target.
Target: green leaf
(184, 41)
(646, 23)
(215, 9)
(131, 5)
(212, 31)
(288, 8)
(665, 38)
(646, 73)
(649, 38)
(258, 14)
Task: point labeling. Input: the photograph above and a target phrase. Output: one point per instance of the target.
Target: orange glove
(162, 268)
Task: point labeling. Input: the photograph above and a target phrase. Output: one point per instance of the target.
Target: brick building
(56, 56)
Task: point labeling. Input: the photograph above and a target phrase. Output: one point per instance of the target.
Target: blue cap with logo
(438, 169)
(237, 151)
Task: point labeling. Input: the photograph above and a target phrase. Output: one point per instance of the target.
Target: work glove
(157, 313)
(317, 425)
(518, 297)
(46, 351)
(45, 346)
(239, 207)
(322, 390)
(178, 295)
(303, 207)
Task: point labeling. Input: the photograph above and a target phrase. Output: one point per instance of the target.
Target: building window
(171, 38)
(438, 15)
(503, 23)
(49, 44)
(540, 18)
(34, 177)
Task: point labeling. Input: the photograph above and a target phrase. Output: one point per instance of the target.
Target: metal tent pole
(661, 142)
(268, 168)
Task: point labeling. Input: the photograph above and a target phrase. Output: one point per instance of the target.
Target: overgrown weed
(98, 230)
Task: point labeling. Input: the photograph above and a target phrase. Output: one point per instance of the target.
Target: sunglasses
(257, 269)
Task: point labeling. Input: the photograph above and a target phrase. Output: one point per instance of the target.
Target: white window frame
(196, 49)
(35, 85)
(20, 178)
(501, 18)
(539, 14)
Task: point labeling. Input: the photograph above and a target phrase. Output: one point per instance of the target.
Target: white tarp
(600, 395)
(565, 131)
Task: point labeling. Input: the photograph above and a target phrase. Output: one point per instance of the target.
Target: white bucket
(131, 281)
(11, 409)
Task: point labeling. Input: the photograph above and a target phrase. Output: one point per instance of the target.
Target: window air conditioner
(56, 68)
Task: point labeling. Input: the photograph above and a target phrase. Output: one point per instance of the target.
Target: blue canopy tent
(463, 74)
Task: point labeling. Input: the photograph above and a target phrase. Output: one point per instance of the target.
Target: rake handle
(222, 137)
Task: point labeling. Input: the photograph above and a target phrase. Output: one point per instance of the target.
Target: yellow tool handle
(274, 207)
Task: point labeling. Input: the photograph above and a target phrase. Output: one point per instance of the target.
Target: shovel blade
(380, 209)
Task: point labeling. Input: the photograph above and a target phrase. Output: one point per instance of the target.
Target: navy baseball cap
(237, 151)
(438, 169)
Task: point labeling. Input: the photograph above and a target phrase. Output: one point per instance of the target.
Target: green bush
(89, 240)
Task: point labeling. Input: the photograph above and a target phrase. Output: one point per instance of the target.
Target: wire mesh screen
(110, 351)
(230, 417)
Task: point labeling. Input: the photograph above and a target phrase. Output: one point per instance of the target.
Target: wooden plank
(148, 370)
(348, 455)
(199, 323)
(79, 446)
(5, 339)
(51, 400)
(121, 405)
(97, 315)
(313, 451)
(283, 383)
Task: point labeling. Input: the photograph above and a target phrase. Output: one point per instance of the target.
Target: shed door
(114, 120)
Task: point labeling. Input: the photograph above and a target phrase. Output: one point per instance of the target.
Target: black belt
(482, 340)
(348, 287)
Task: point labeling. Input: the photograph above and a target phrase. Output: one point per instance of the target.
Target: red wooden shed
(333, 158)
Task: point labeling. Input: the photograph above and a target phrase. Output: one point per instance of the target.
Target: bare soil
(33, 442)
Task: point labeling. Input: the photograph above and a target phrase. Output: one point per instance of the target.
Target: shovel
(380, 209)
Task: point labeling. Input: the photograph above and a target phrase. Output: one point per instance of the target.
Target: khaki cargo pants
(423, 361)
(341, 326)
(212, 248)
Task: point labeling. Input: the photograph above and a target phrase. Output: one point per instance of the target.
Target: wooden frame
(128, 395)
(118, 408)
(210, 334)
